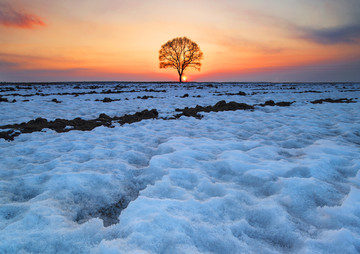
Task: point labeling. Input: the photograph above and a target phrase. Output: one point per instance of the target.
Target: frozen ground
(271, 180)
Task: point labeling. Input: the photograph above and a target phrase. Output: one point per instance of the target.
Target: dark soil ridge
(2, 99)
(312, 91)
(220, 106)
(63, 125)
(223, 106)
(341, 100)
(107, 99)
(240, 93)
(84, 93)
(280, 104)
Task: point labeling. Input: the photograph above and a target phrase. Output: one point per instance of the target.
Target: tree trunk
(180, 78)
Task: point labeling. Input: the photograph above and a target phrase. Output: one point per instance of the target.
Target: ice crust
(272, 180)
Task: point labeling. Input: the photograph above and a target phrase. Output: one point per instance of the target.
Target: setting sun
(184, 78)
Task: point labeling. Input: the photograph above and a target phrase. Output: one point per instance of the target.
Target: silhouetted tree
(180, 53)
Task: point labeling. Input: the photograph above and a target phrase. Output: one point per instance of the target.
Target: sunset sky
(248, 40)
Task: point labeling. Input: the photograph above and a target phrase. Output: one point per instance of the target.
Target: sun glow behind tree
(180, 53)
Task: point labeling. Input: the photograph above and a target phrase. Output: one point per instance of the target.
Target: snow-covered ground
(272, 180)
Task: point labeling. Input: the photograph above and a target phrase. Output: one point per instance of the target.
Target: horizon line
(175, 82)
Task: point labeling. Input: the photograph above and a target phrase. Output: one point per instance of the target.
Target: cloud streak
(13, 18)
(341, 71)
(7, 65)
(345, 34)
(342, 34)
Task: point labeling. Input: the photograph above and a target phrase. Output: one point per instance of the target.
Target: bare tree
(180, 53)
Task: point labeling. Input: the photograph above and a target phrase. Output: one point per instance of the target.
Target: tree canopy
(180, 53)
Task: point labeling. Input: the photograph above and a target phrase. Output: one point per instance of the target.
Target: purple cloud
(345, 34)
(13, 18)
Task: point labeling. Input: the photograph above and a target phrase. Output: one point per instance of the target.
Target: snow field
(275, 180)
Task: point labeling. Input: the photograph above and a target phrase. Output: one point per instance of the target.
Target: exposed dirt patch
(107, 99)
(137, 117)
(55, 100)
(7, 89)
(155, 91)
(145, 97)
(310, 91)
(220, 106)
(63, 125)
(342, 100)
(280, 104)
(232, 94)
(3, 99)
(90, 92)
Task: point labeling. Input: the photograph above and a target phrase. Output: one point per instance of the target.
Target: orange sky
(254, 40)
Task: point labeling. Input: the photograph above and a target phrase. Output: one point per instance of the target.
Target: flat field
(138, 168)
